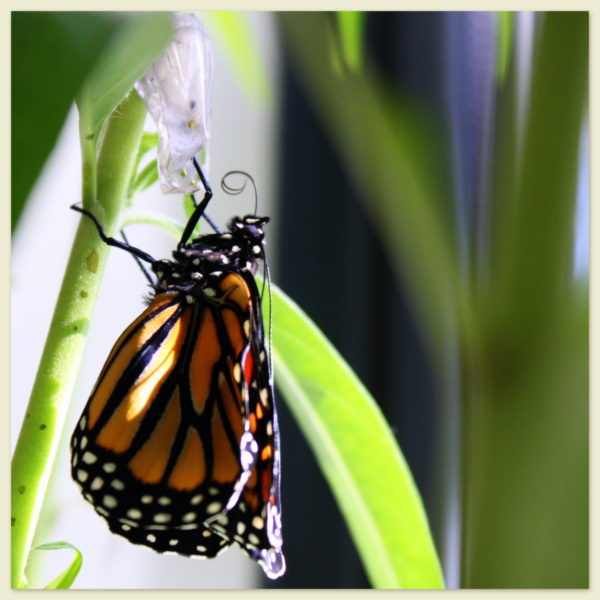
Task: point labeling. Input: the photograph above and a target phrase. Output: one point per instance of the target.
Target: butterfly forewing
(177, 447)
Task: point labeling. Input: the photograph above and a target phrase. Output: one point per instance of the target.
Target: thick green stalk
(525, 511)
(42, 427)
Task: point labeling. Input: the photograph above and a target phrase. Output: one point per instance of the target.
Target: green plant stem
(525, 459)
(42, 427)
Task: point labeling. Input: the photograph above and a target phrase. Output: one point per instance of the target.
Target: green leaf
(356, 451)
(51, 54)
(134, 48)
(149, 141)
(65, 580)
(168, 224)
(351, 24)
(144, 179)
(505, 24)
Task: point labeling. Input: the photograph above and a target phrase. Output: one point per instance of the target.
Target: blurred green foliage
(518, 313)
(52, 53)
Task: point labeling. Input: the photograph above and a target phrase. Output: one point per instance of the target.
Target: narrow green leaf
(168, 224)
(357, 453)
(65, 580)
(149, 141)
(144, 179)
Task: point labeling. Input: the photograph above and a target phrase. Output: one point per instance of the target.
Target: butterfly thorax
(196, 266)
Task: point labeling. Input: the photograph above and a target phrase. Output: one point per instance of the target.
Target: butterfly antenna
(234, 191)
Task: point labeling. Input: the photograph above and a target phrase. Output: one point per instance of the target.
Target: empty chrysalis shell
(177, 90)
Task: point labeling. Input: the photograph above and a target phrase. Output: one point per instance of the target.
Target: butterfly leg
(112, 241)
(151, 280)
(199, 210)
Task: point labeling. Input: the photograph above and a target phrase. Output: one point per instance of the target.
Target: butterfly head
(249, 228)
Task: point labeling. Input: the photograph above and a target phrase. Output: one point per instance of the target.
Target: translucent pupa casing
(177, 92)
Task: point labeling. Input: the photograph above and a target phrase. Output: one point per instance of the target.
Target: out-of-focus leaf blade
(51, 54)
(505, 43)
(392, 154)
(357, 453)
(65, 580)
(351, 25)
(135, 47)
(234, 31)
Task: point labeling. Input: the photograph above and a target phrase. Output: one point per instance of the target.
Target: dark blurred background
(332, 263)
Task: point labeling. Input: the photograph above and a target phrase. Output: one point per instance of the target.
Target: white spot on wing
(97, 483)
(109, 501)
(213, 508)
(161, 518)
(89, 458)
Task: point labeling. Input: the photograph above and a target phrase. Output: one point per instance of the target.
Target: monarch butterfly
(177, 447)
